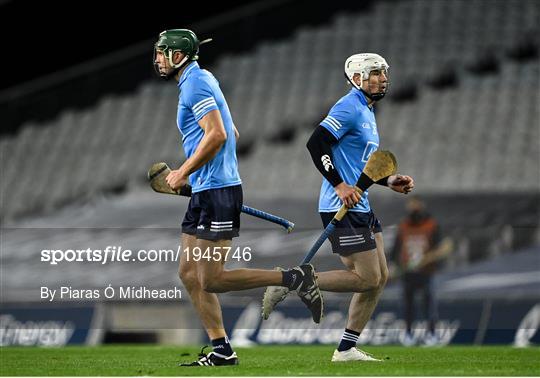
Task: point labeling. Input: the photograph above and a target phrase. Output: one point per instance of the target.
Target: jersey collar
(361, 96)
(363, 100)
(187, 71)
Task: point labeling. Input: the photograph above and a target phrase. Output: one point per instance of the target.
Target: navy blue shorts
(214, 214)
(355, 233)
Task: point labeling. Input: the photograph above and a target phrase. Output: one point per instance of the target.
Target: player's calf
(212, 284)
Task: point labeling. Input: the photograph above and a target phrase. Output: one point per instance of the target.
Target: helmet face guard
(364, 64)
(168, 54)
(173, 40)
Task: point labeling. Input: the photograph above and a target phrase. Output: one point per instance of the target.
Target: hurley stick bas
(159, 171)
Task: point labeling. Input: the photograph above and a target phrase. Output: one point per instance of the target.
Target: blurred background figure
(417, 254)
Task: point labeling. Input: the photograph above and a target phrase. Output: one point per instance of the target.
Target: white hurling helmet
(363, 64)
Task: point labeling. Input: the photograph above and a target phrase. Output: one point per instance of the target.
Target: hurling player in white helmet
(340, 147)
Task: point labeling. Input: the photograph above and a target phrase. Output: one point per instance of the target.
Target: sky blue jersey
(199, 95)
(352, 122)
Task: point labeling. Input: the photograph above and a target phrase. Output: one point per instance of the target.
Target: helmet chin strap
(373, 96)
(179, 65)
(176, 67)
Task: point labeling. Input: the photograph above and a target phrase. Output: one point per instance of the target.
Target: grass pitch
(269, 360)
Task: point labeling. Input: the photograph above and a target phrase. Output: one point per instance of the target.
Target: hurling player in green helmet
(212, 219)
(182, 40)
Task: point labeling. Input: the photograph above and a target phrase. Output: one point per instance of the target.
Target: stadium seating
(484, 131)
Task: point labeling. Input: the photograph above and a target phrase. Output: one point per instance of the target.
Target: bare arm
(214, 138)
(212, 141)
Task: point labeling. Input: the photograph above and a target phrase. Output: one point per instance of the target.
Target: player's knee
(188, 277)
(372, 280)
(384, 278)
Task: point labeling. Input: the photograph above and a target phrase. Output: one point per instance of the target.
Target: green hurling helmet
(183, 40)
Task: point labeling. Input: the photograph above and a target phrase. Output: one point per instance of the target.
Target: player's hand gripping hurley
(159, 171)
(380, 164)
